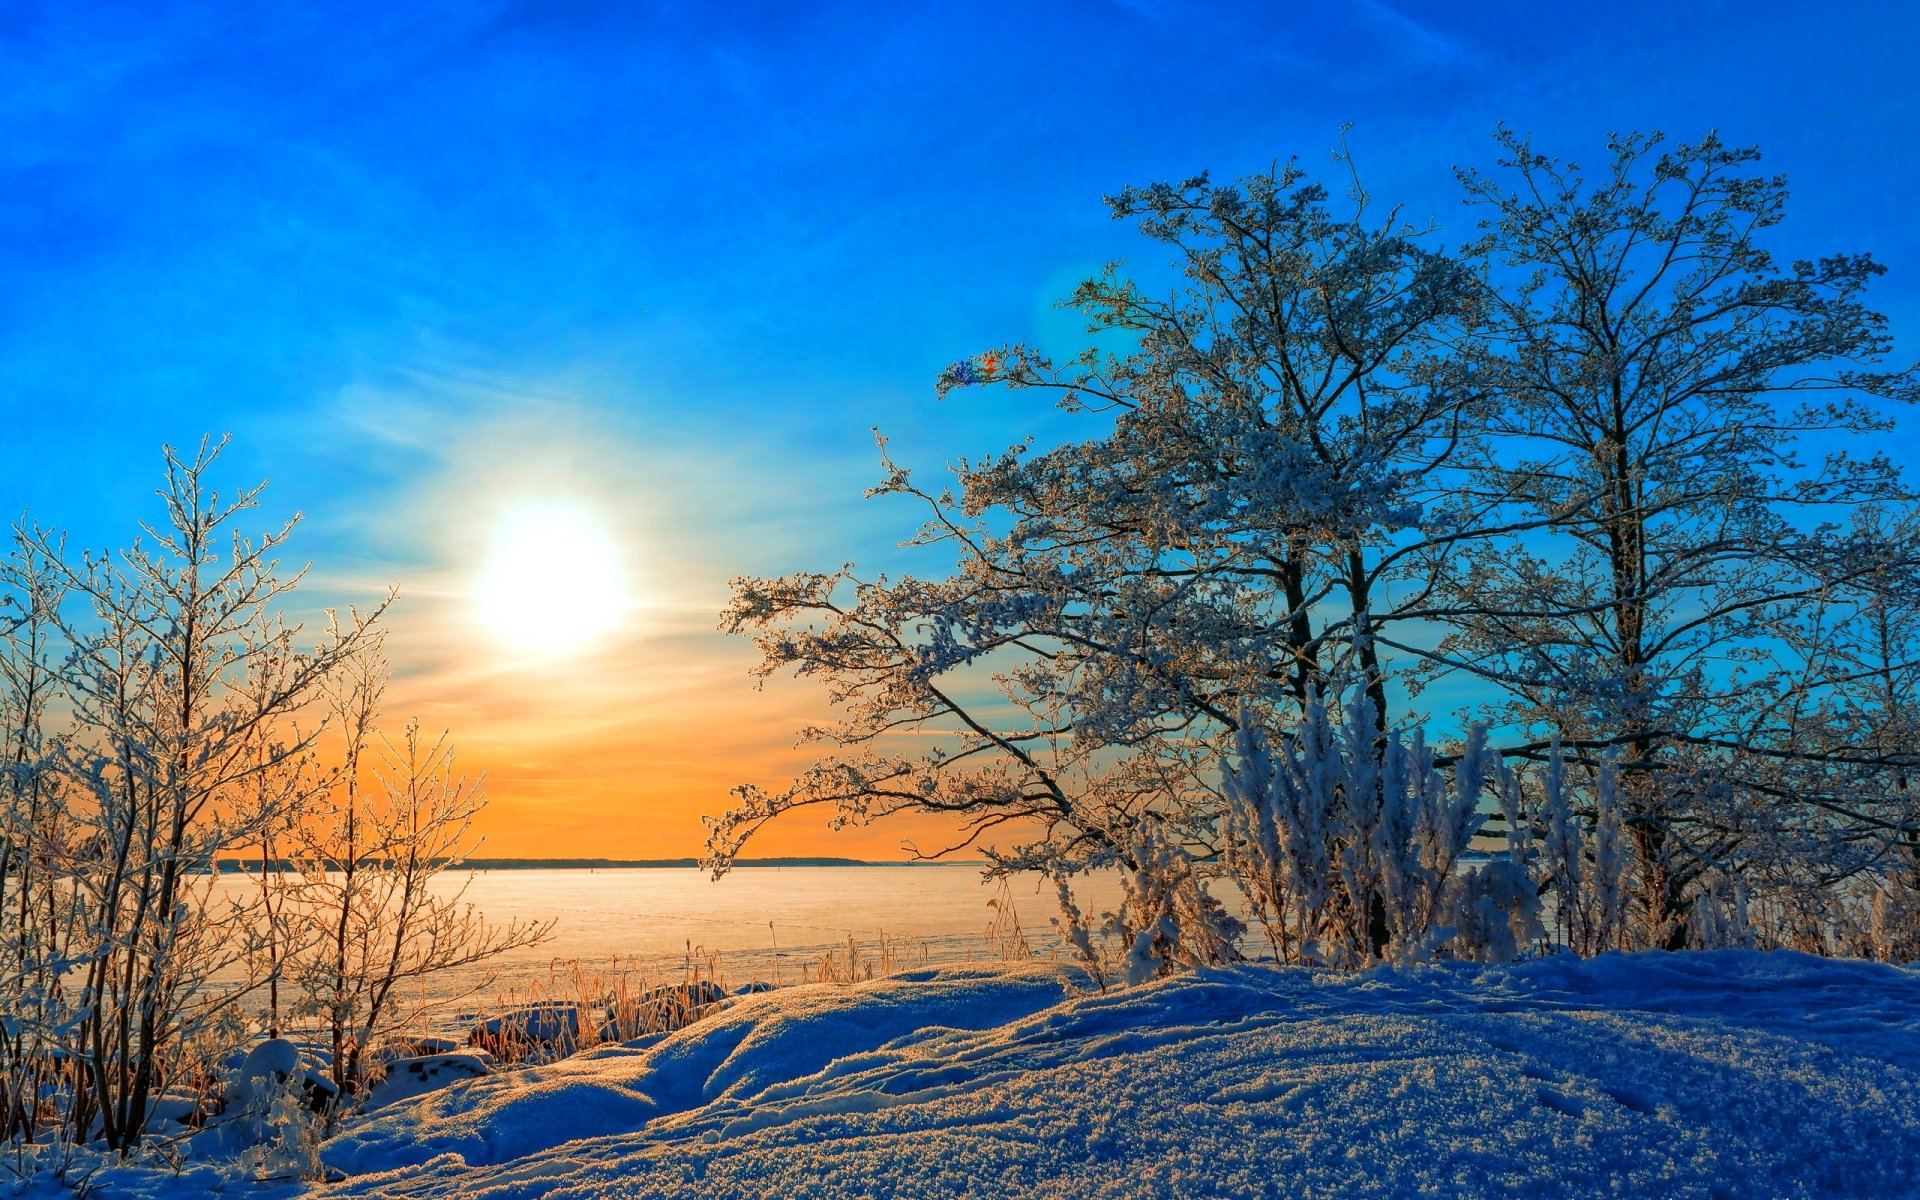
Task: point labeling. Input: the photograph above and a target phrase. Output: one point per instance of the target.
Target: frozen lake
(771, 924)
(663, 915)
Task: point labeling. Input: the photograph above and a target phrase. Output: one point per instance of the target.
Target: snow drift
(1709, 1075)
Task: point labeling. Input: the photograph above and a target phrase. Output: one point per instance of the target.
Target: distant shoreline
(234, 866)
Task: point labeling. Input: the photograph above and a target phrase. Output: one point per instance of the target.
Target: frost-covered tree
(1333, 462)
(181, 679)
(1840, 747)
(1874, 718)
(1286, 429)
(38, 917)
(1263, 487)
(1659, 373)
(375, 910)
(157, 710)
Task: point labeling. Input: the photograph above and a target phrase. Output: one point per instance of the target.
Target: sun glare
(552, 580)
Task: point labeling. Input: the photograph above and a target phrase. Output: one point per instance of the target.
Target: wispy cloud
(1348, 47)
(1420, 42)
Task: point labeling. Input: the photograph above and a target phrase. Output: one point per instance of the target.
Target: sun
(552, 580)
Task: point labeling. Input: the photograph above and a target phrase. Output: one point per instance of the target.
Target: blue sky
(678, 259)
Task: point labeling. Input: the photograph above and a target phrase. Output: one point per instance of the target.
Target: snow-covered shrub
(1493, 913)
(269, 1129)
(372, 909)
(1078, 936)
(41, 924)
(179, 685)
(1168, 920)
(1720, 918)
(1876, 915)
(1583, 862)
(1344, 838)
(1893, 920)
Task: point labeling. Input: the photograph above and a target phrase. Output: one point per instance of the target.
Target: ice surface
(661, 922)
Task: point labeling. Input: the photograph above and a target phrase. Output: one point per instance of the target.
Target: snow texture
(264, 1067)
(406, 1078)
(1695, 1075)
(1710, 1075)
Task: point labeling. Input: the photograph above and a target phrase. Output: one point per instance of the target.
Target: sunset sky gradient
(431, 262)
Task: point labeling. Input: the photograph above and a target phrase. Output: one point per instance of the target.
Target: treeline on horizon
(241, 866)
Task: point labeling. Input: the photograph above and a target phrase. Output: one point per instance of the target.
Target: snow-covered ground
(1729, 1074)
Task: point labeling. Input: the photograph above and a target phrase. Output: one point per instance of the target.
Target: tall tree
(1660, 373)
(1272, 451)
(181, 674)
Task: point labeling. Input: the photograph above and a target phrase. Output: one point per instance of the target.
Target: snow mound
(720, 1064)
(1696, 1075)
(406, 1078)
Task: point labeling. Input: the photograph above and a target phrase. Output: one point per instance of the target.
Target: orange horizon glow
(612, 734)
(560, 580)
